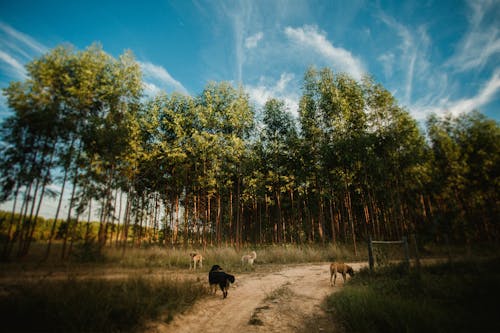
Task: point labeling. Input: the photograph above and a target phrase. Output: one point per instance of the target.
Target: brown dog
(342, 269)
(196, 258)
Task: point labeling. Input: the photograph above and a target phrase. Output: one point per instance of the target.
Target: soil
(287, 300)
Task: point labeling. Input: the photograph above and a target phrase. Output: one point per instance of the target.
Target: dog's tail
(230, 278)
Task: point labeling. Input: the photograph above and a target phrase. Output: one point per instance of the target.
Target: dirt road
(260, 302)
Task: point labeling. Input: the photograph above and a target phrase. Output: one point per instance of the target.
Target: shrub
(443, 298)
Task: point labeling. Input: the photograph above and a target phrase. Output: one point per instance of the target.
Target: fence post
(448, 250)
(370, 253)
(417, 257)
(407, 252)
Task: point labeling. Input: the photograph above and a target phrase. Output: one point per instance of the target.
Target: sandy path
(260, 302)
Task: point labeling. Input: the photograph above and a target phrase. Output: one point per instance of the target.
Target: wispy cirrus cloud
(440, 91)
(483, 97)
(481, 41)
(311, 38)
(487, 92)
(17, 48)
(157, 78)
(409, 56)
(23, 38)
(12, 65)
(241, 16)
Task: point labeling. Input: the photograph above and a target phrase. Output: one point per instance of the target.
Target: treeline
(211, 169)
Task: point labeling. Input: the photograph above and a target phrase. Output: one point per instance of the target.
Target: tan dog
(342, 269)
(249, 258)
(196, 258)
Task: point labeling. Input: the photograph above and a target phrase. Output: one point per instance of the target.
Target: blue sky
(434, 56)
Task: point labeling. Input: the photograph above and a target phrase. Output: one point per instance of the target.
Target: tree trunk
(5, 253)
(58, 209)
(218, 220)
(68, 219)
(332, 222)
(351, 219)
(176, 226)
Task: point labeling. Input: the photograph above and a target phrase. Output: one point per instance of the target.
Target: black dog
(217, 276)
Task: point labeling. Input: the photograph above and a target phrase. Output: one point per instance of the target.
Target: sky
(433, 56)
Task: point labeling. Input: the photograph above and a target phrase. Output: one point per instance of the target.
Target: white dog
(196, 258)
(249, 258)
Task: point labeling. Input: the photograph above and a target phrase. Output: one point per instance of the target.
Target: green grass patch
(462, 297)
(94, 305)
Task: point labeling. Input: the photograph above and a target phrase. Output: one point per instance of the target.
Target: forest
(213, 169)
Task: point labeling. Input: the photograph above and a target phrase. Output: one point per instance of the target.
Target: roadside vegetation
(122, 293)
(166, 258)
(94, 305)
(457, 296)
(118, 292)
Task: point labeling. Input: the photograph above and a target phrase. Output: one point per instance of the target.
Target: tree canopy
(202, 170)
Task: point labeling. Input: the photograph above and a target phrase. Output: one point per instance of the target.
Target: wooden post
(448, 250)
(417, 257)
(370, 253)
(407, 252)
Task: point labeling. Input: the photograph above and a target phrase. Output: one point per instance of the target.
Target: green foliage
(441, 298)
(210, 169)
(466, 182)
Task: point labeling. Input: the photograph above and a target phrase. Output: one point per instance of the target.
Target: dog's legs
(223, 292)
(334, 275)
(343, 276)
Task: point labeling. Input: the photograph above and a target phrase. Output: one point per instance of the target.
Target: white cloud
(485, 95)
(16, 69)
(411, 48)
(22, 38)
(157, 78)
(17, 48)
(282, 89)
(481, 41)
(309, 38)
(151, 89)
(252, 41)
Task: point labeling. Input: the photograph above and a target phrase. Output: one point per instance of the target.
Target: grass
(66, 296)
(156, 258)
(96, 305)
(280, 292)
(105, 293)
(461, 297)
(228, 257)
